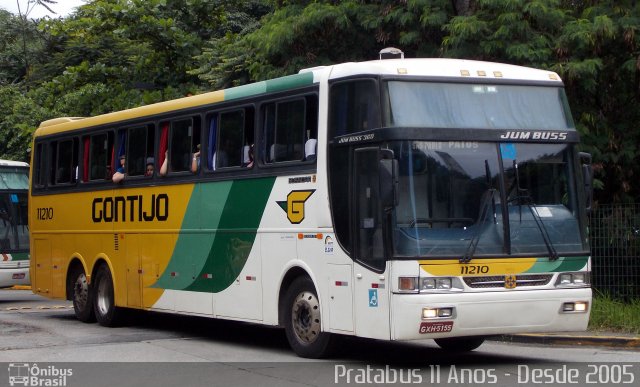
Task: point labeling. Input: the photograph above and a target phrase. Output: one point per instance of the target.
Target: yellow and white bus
(14, 228)
(398, 199)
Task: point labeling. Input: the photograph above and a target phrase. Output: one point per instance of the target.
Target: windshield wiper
(523, 197)
(484, 211)
(553, 254)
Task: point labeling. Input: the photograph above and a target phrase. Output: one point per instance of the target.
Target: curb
(580, 340)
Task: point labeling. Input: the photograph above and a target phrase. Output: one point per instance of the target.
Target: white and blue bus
(14, 226)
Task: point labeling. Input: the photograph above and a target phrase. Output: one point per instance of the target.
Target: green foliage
(611, 314)
(115, 54)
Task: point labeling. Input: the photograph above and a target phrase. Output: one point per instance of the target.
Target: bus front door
(371, 300)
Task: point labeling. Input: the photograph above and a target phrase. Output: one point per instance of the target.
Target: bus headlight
(435, 283)
(428, 284)
(408, 284)
(575, 279)
(443, 283)
(440, 284)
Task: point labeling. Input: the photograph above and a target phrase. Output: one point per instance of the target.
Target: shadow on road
(350, 349)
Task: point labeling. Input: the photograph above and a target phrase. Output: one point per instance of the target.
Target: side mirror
(388, 172)
(587, 176)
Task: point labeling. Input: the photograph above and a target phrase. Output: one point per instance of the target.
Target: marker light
(408, 284)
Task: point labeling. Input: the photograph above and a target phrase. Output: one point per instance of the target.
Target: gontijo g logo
(294, 206)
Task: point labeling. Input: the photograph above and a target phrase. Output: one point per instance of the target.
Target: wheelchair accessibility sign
(373, 298)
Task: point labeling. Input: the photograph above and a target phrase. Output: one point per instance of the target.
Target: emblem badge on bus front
(294, 205)
(510, 281)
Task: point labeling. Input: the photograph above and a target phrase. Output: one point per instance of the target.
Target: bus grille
(498, 281)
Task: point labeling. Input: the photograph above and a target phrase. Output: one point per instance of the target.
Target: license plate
(18, 276)
(436, 327)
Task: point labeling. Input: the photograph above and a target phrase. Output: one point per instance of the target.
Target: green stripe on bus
(245, 91)
(219, 228)
(289, 82)
(273, 85)
(192, 248)
(19, 256)
(238, 228)
(544, 265)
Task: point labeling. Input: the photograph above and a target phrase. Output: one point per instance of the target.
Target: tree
(115, 54)
(26, 27)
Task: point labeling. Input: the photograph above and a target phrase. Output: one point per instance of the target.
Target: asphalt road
(159, 349)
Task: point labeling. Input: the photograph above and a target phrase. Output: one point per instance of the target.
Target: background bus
(14, 226)
(391, 199)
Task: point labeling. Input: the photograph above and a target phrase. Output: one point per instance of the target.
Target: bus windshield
(454, 199)
(459, 105)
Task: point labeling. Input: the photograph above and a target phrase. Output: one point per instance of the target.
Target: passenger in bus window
(247, 156)
(149, 168)
(164, 168)
(195, 161)
(119, 175)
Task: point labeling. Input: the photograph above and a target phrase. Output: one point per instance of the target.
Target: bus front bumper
(488, 313)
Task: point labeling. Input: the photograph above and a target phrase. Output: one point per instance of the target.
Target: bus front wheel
(81, 296)
(460, 344)
(104, 304)
(303, 321)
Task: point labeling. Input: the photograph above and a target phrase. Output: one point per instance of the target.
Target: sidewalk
(600, 339)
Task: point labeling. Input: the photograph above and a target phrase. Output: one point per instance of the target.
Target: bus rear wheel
(104, 304)
(303, 321)
(81, 296)
(460, 344)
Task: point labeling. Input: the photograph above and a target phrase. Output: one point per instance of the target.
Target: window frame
(309, 129)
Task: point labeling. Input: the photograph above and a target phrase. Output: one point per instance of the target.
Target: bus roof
(10, 163)
(435, 67)
(440, 67)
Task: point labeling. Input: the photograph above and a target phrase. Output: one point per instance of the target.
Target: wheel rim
(103, 297)
(305, 317)
(81, 292)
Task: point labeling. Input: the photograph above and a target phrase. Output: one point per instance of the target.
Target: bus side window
(353, 107)
(235, 134)
(101, 156)
(63, 161)
(285, 128)
(39, 174)
(230, 135)
(311, 132)
(140, 150)
(183, 141)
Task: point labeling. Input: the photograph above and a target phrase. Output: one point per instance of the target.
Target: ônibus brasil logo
(24, 374)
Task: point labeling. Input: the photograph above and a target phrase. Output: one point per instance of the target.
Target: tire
(460, 344)
(104, 304)
(81, 295)
(303, 321)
